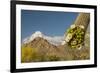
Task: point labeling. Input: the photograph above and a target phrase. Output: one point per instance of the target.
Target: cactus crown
(75, 36)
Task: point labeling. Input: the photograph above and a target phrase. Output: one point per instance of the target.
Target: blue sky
(50, 23)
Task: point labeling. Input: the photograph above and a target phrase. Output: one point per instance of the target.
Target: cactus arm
(75, 34)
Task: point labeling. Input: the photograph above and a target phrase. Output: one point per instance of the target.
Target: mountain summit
(35, 35)
(55, 40)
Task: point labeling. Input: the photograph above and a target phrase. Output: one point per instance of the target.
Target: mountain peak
(37, 34)
(56, 40)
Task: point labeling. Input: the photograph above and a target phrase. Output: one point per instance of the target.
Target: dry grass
(33, 55)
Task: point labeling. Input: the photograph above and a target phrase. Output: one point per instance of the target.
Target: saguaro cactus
(83, 19)
(75, 34)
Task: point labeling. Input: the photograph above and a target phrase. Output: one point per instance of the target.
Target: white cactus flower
(73, 26)
(81, 26)
(69, 36)
(74, 42)
(79, 47)
(63, 43)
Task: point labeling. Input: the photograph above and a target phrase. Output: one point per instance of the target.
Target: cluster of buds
(75, 36)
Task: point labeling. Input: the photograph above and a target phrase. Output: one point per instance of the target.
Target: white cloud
(56, 40)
